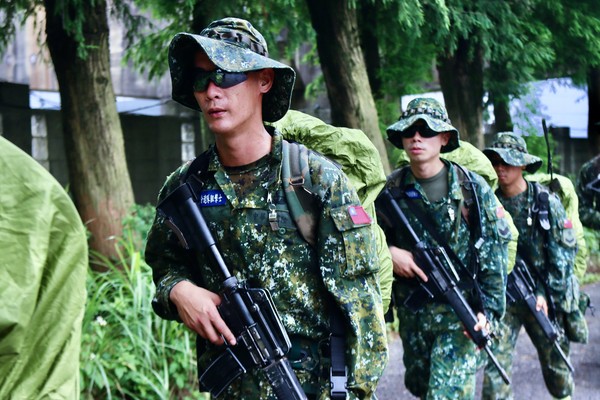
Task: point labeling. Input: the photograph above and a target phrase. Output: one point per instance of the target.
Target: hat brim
(394, 131)
(516, 158)
(232, 58)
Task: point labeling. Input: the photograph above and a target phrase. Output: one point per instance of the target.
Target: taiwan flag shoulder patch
(358, 215)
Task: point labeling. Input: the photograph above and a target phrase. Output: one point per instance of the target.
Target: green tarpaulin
(43, 266)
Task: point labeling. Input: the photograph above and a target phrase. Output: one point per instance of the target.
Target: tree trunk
(370, 46)
(502, 119)
(594, 110)
(461, 79)
(98, 174)
(343, 65)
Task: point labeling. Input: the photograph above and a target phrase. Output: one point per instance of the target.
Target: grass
(128, 352)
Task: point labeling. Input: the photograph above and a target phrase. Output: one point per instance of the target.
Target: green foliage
(592, 240)
(280, 21)
(406, 59)
(127, 350)
(388, 113)
(576, 38)
(138, 223)
(315, 88)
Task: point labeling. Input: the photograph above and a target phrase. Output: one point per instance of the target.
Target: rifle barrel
(501, 370)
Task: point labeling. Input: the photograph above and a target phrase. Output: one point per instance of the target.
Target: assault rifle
(521, 286)
(434, 261)
(262, 341)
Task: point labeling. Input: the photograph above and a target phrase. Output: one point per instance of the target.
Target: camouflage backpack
(575, 324)
(568, 197)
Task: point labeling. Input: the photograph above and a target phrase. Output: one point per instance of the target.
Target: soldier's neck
(427, 169)
(515, 188)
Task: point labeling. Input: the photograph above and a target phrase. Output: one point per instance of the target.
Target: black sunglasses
(222, 79)
(424, 130)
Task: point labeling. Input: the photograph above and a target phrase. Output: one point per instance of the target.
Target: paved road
(527, 378)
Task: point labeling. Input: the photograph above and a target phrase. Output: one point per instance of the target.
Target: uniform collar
(276, 150)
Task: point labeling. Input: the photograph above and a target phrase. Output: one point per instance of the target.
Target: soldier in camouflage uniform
(225, 72)
(441, 361)
(588, 191)
(549, 253)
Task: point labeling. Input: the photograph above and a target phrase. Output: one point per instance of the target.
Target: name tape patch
(210, 198)
(413, 194)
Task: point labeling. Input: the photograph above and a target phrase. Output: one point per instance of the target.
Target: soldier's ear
(445, 136)
(265, 79)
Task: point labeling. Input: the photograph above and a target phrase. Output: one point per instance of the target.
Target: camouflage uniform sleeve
(167, 258)
(589, 216)
(493, 254)
(561, 247)
(349, 266)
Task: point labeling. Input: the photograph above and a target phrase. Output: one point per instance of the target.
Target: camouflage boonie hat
(512, 149)
(435, 116)
(233, 45)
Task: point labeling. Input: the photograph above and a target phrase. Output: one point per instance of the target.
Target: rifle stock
(440, 280)
(521, 286)
(262, 341)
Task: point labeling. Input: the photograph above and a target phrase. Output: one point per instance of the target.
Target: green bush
(592, 240)
(128, 352)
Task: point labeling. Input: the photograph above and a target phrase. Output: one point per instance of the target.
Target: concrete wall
(153, 150)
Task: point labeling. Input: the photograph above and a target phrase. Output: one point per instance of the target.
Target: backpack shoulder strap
(471, 202)
(197, 167)
(196, 172)
(297, 185)
(304, 205)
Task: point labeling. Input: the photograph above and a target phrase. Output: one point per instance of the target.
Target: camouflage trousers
(440, 360)
(557, 376)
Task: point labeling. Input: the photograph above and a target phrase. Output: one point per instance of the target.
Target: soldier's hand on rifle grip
(541, 304)
(482, 324)
(197, 308)
(404, 264)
